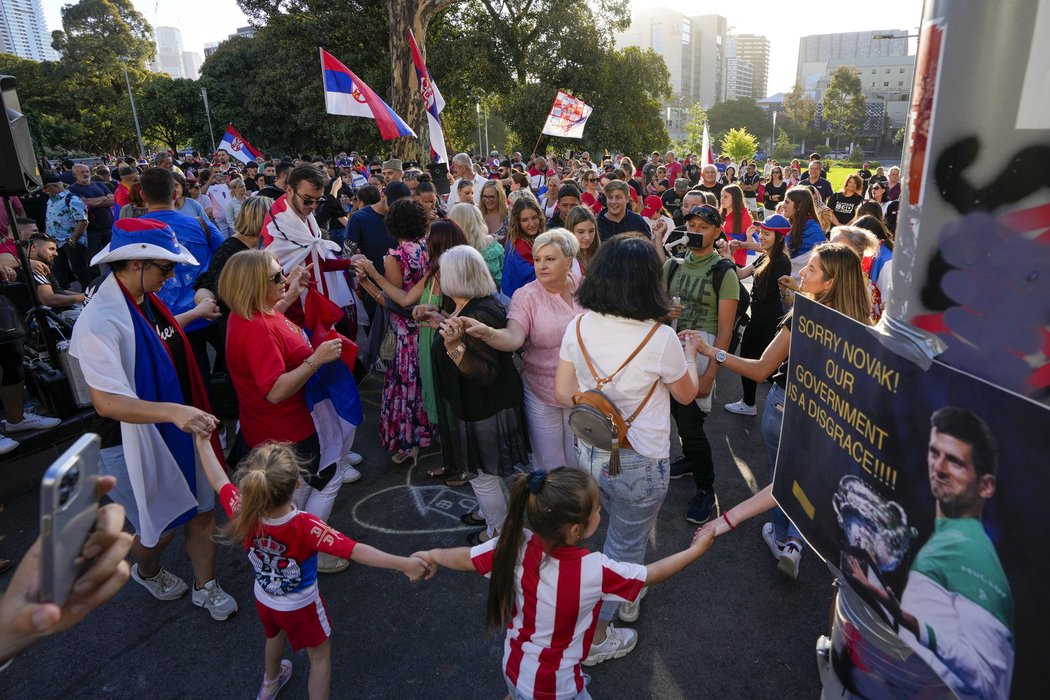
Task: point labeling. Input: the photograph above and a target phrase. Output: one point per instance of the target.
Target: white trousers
(553, 442)
(492, 502)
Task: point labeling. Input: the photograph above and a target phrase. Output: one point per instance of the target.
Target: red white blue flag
(346, 94)
(433, 103)
(236, 145)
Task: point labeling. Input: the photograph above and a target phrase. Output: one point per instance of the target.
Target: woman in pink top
(539, 313)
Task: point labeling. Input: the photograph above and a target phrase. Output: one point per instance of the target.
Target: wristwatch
(720, 356)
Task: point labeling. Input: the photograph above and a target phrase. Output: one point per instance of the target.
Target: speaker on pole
(19, 172)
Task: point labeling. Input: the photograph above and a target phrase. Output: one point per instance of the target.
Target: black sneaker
(681, 467)
(702, 507)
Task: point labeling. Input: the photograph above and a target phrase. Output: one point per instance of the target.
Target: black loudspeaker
(19, 173)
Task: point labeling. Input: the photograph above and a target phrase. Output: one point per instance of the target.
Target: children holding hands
(546, 590)
(282, 544)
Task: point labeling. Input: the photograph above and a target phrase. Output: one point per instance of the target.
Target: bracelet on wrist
(725, 516)
(308, 362)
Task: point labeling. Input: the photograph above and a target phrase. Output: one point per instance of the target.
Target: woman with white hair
(473, 224)
(539, 314)
(479, 390)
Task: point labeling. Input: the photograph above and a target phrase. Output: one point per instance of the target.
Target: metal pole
(488, 144)
(134, 112)
(477, 107)
(207, 112)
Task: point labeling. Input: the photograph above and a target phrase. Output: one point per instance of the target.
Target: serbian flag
(346, 94)
(707, 157)
(238, 147)
(433, 103)
(567, 117)
(331, 393)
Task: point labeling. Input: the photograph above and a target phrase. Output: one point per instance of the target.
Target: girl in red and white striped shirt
(545, 589)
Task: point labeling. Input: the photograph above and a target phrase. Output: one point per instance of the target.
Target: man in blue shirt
(99, 201)
(202, 239)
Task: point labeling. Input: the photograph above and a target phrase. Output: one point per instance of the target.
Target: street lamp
(134, 113)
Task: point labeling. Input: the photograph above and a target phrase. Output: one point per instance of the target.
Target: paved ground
(729, 627)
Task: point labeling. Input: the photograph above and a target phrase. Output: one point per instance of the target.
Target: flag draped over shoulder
(567, 117)
(238, 147)
(346, 94)
(120, 353)
(433, 103)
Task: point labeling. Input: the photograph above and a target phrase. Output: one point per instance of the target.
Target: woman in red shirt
(737, 220)
(270, 361)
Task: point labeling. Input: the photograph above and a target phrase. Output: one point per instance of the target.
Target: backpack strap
(600, 382)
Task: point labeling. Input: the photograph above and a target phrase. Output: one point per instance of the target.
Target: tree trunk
(404, 87)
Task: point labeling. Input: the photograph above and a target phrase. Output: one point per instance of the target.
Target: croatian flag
(346, 94)
(238, 147)
(433, 103)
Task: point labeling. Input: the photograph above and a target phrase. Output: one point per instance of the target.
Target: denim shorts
(111, 463)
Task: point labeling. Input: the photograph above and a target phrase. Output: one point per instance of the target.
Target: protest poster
(925, 490)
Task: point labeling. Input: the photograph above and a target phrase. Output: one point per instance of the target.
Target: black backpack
(718, 272)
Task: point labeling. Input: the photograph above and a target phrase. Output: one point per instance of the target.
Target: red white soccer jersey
(283, 553)
(557, 598)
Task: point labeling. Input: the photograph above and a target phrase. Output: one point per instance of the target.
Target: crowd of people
(223, 315)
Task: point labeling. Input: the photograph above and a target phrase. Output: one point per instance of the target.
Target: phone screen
(68, 506)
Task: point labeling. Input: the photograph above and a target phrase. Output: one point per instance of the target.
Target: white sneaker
(353, 459)
(771, 540)
(215, 600)
(7, 444)
(629, 612)
(31, 421)
(618, 643)
(164, 586)
(790, 558)
(331, 564)
(350, 474)
(741, 409)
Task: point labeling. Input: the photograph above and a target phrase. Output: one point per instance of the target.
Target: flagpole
(207, 112)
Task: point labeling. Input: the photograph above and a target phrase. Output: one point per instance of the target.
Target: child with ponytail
(282, 544)
(546, 590)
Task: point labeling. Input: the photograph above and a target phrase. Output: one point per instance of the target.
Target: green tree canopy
(694, 129)
(801, 110)
(739, 144)
(845, 107)
(739, 114)
(171, 111)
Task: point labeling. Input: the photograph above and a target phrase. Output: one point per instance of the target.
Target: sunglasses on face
(165, 269)
(308, 201)
(277, 277)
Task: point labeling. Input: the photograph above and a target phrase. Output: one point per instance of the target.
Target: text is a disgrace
(826, 397)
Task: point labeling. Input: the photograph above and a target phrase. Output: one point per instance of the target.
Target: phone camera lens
(68, 485)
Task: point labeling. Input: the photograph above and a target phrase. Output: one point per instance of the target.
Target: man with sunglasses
(712, 313)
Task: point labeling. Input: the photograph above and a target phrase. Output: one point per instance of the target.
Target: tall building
(191, 64)
(754, 49)
(23, 30)
(210, 48)
(710, 34)
(886, 79)
(169, 52)
(693, 49)
(739, 78)
(816, 51)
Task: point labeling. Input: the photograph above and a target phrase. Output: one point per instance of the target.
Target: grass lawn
(837, 176)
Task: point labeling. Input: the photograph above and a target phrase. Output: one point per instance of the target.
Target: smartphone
(68, 507)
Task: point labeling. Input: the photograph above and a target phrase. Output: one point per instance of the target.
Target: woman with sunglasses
(775, 190)
(877, 194)
(184, 201)
(270, 362)
(592, 194)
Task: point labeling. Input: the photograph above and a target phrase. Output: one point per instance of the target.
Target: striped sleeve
(622, 581)
(483, 556)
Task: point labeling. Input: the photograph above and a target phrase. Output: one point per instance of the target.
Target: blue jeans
(632, 499)
(772, 418)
